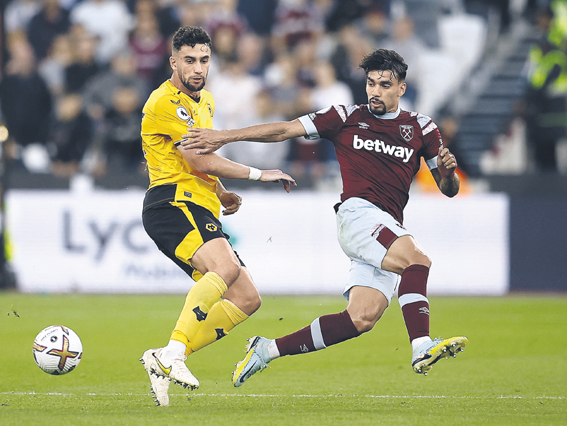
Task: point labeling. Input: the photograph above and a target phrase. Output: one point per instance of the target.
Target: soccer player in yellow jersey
(181, 213)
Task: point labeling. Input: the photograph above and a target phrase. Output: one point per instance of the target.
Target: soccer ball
(57, 350)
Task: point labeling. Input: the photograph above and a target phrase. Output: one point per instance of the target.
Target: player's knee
(421, 259)
(365, 322)
(254, 302)
(247, 299)
(416, 258)
(230, 272)
(363, 325)
(252, 299)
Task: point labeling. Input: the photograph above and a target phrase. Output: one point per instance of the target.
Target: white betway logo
(380, 146)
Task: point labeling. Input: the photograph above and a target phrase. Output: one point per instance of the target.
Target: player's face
(191, 66)
(384, 91)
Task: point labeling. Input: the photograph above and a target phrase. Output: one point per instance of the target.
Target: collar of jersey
(388, 115)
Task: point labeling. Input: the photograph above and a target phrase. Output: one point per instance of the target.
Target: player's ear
(172, 63)
(402, 89)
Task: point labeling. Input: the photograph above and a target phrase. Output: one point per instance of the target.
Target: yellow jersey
(167, 115)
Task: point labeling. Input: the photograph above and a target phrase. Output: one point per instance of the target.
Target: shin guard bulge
(413, 301)
(223, 317)
(324, 331)
(204, 294)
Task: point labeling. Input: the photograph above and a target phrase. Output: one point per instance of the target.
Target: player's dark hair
(385, 60)
(190, 36)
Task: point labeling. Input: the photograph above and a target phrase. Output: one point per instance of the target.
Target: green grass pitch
(514, 371)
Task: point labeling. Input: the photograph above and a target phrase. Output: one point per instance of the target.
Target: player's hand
(278, 176)
(446, 162)
(204, 141)
(230, 201)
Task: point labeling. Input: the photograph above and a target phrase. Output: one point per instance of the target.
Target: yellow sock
(223, 317)
(204, 294)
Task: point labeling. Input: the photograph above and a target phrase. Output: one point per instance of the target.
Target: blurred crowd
(77, 72)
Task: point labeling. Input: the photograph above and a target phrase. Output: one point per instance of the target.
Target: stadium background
(72, 179)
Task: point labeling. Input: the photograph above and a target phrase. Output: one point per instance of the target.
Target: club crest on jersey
(406, 131)
(210, 109)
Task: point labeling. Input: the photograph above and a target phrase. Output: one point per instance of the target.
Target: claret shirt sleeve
(431, 141)
(325, 123)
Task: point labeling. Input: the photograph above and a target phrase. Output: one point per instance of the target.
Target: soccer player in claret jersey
(181, 214)
(379, 148)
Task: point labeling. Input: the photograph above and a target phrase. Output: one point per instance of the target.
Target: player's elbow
(206, 166)
(450, 187)
(451, 190)
(285, 131)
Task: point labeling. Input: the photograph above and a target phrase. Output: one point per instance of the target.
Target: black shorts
(179, 228)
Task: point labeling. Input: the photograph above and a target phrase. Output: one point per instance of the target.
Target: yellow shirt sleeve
(172, 119)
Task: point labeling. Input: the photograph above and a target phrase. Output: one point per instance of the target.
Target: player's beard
(190, 86)
(376, 111)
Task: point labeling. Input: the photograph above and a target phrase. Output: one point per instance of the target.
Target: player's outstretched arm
(447, 180)
(205, 141)
(215, 165)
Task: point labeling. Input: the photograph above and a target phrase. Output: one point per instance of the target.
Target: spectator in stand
(266, 156)
(316, 157)
(148, 46)
(109, 21)
(375, 23)
(404, 41)
(328, 90)
(51, 21)
(350, 50)
(122, 141)
(346, 12)
(70, 137)
(225, 14)
(296, 21)
(252, 54)
(259, 14)
(233, 88)
(305, 54)
(99, 92)
(167, 14)
(52, 68)
(425, 17)
(191, 13)
(83, 66)
(226, 26)
(224, 47)
(281, 78)
(25, 99)
(18, 14)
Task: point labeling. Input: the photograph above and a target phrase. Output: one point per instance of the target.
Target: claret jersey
(167, 114)
(378, 155)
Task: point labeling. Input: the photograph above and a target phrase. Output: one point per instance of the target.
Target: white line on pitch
(293, 396)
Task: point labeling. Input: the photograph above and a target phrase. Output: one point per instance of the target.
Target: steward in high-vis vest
(547, 89)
